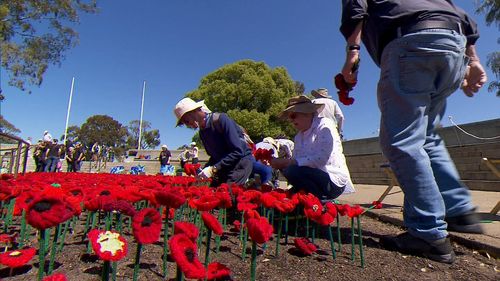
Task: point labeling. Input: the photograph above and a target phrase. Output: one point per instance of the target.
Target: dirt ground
(289, 264)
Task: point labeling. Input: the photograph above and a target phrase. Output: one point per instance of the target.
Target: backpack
(243, 135)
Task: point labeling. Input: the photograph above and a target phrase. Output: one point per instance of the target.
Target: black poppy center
(105, 192)
(42, 206)
(189, 254)
(75, 192)
(147, 221)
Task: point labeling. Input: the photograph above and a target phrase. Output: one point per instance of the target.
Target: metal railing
(15, 154)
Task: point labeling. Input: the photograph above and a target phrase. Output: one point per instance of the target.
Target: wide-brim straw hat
(320, 93)
(301, 104)
(271, 141)
(184, 106)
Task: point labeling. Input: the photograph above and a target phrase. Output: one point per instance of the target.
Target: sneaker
(438, 250)
(466, 223)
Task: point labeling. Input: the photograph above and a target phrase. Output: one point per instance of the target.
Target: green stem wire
(92, 225)
(278, 235)
(207, 250)
(242, 224)
(339, 236)
(65, 226)
(41, 254)
(165, 247)
(286, 229)
(137, 261)
(360, 241)
(8, 218)
(352, 240)
(23, 229)
(332, 243)
(244, 248)
(53, 249)
(253, 265)
(105, 271)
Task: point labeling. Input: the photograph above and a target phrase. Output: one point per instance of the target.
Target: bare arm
(475, 76)
(352, 56)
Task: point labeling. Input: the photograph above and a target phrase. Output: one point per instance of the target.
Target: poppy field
(77, 226)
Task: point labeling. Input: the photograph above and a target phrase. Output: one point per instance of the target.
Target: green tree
(251, 93)
(35, 34)
(149, 139)
(491, 10)
(104, 130)
(72, 135)
(7, 128)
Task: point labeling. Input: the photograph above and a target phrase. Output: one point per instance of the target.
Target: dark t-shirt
(165, 157)
(53, 150)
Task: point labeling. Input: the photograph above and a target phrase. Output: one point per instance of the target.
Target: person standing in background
(331, 109)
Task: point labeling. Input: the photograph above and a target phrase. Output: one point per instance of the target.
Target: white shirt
(320, 147)
(285, 148)
(194, 152)
(331, 110)
(47, 137)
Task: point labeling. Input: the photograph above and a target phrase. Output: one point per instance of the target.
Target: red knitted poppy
(184, 253)
(187, 228)
(305, 246)
(146, 226)
(169, 198)
(48, 211)
(108, 245)
(259, 230)
(17, 258)
(55, 277)
(218, 271)
(212, 223)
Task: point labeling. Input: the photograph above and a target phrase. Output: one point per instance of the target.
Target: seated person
(231, 160)
(318, 164)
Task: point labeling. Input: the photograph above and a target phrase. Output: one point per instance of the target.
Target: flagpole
(142, 110)
(69, 109)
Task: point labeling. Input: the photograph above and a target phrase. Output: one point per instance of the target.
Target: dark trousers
(239, 174)
(312, 180)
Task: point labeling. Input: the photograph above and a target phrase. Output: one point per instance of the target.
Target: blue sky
(173, 44)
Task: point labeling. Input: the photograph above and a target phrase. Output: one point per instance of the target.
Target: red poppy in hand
(187, 228)
(305, 246)
(343, 89)
(218, 271)
(48, 211)
(212, 223)
(184, 253)
(108, 245)
(17, 258)
(259, 230)
(146, 226)
(264, 155)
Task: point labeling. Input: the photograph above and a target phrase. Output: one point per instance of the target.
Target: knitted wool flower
(46, 211)
(108, 245)
(377, 205)
(146, 226)
(212, 223)
(55, 277)
(354, 211)
(187, 228)
(17, 258)
(305, 246)
(206, 202)
(184, 253)
(218, 271)
(169, 198)
(260, 230)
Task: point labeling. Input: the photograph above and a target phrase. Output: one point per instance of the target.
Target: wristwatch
(353, 47)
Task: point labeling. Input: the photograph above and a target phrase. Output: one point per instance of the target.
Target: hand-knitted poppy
(218, 271)
(246, 206)
(259, 230)
(146, 226)
(122, 206)
(308, 200)
(377, 205)
(305, 246)
(354, 211)
(190, 229)
(48, 211)
(55, 277)
(284, 206)
(8, 239)
(267, 199)
(184, 253)
(236, 226)
(108, 245)
(212, 223)
(249, 196)
(251, 214)
(22, 202)
(264, 155)
(205, 203)
(331, 209)
(343, 209)
(17, 258)
(169, 198)
(225, 201)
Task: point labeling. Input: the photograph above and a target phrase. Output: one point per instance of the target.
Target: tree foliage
(149, 139)
(252, 93)
(104, 130)
(491, 10)
(7, 128)
(35, 34)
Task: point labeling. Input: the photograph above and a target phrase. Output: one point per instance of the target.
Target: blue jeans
(312, 180)
(418, 72)
(51, 164)
(265, 172)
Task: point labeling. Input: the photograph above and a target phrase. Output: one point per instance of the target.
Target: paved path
(391, 212)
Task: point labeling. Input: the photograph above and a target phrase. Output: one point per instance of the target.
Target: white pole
(69, 109)
(142, 110)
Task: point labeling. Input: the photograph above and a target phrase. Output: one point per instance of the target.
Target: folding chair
(392, 181)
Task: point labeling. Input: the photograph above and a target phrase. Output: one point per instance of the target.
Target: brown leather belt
(428, 24)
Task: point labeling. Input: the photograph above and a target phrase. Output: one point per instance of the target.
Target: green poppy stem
(137, 261)
(339, 236)
(307, 227)
(165, 247)
(253, 265)
(313, 230)
(352, 240)
(65, 226)
(114, 266)
(244, 248)
(207, 250)
(360, 241)
(278, 235)
(179, 276)
(332, 244)
(242, 224)
(92, 225)
(105, 271)
(41, 255)
(23, 229)
(297, 214)
(8, 218)
(286, 229)
(53, 249)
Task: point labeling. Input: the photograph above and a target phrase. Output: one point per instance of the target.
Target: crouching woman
(318, 164)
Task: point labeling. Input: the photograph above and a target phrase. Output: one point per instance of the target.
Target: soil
(289, 264)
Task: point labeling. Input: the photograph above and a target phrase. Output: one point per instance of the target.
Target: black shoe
(439, 250)
(466, 223)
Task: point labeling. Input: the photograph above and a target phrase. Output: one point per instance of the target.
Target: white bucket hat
(164, 146)
(184, 106)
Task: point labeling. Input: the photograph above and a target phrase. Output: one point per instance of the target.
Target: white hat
(184, 106)
(271, 141)
(192, 144)
(45, 132)
(164, 146)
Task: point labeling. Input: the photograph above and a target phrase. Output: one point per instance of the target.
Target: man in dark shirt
(425, 50)
(52, 155)
(231, 160)
(164, 159)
